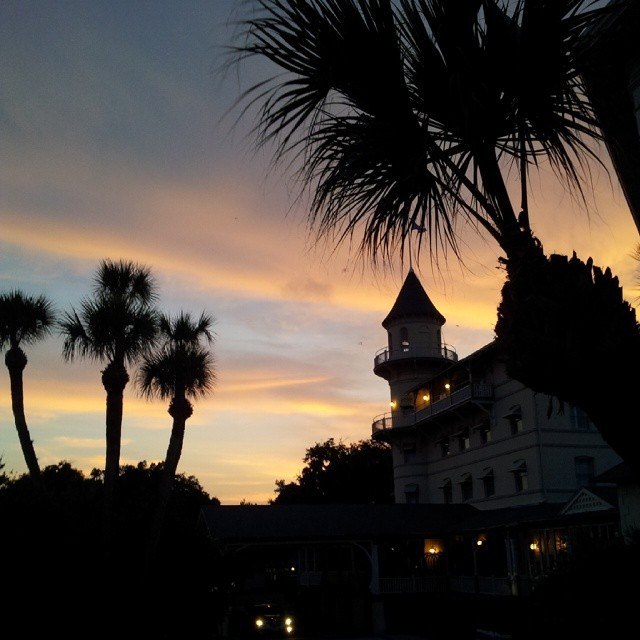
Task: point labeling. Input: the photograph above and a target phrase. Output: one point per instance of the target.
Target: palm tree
(116, 325)
(181, 370)
(23, 319)
(405, 115)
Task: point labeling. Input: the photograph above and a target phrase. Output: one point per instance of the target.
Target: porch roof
(272, 523)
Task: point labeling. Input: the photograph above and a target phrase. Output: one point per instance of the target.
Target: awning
(515, 411)
(518, 465)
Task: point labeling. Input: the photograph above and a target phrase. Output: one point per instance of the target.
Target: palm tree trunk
(181, 410)
(566, 331)
(16, 361)
(114, 380)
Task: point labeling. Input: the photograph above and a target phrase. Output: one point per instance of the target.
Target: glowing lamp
(392, 404)
(533, 546)
(425, 397)
(447, 386)
(433, 550)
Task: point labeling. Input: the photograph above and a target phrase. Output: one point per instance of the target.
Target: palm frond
(24, 318)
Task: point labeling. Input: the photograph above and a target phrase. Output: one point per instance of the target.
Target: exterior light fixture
(433, 550)
(392, 404)
(447, 386)
(426, 397)
(480, 542)
(533, 546)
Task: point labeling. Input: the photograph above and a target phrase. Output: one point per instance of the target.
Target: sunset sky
(112, 145)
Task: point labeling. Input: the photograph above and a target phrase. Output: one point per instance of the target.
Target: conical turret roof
(413, 302)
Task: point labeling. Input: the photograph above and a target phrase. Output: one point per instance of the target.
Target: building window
(488, 482)
(447, 491)
(514, 417)
(411, 493)
(520, 476)
(585, 470)
(404, 339)
(464, 441)
(466, 487)
(444, 447)
(579, 419)
(409, 452)
(484, 430)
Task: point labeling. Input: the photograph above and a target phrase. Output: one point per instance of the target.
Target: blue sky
(112, 145)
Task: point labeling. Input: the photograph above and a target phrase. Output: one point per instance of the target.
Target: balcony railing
(383, 421)
(417, 351)
(471, 392)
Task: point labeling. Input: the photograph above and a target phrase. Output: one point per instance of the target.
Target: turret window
(404, 339)
(409, 451)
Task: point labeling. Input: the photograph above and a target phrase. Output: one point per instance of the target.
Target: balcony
(384, 355)
(473, 392)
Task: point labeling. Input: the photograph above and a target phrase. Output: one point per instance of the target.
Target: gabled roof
(300, 522)
(413, 302)
(589, 499)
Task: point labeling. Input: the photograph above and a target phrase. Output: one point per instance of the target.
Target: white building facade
(463, 431)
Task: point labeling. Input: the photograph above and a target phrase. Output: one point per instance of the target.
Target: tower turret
(414, 350)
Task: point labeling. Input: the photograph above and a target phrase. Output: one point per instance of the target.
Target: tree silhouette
(181, 370)
(24, 319)
(334, 473)
(417, 116)
(116, 325)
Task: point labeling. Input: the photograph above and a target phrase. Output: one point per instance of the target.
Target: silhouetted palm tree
(116, 325)
(416, 115)
(181, 370)
(24, 319)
